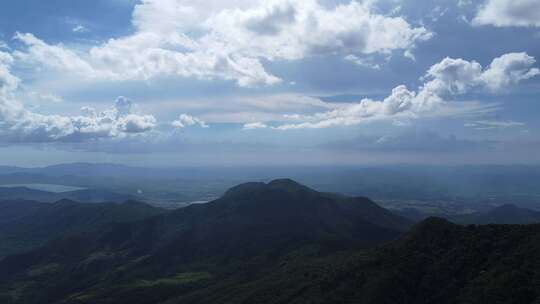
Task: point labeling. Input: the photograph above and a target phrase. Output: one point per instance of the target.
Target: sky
(275, 82)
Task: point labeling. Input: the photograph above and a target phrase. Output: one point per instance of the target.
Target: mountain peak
(243, 189)
(285, 184)
(288, 202)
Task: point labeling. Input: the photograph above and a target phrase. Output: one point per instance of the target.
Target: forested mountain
(279, 242)
(25, 225)
(251, 228)
(505, 214)
(437, 262)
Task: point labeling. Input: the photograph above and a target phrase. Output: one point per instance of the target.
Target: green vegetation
(280, 242)
(25, 225)
(238, 237)
(179, 279)
(44, 270)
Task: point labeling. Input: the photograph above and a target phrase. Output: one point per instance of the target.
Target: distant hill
(251, 227)
(83, 196)
(12, 169)
(506, 214)
(160, 186)
(25, 225)
(447, 190)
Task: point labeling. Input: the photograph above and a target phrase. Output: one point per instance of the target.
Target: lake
(46, 187)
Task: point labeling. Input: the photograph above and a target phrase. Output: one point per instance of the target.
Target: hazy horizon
(337, 167)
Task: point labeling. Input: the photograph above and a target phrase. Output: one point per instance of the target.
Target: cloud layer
(443, 81)
(228, 41)
(509, 13)
(18, 124)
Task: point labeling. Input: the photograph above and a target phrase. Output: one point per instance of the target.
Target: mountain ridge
(504, 214)
(28, 224)
(254, 223)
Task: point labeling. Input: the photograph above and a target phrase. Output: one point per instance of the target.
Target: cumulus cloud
(509, 69)
(18, 124)
(185, 120)
(133, 123)
(293, 30)
(228, 40)
(502, 13)
(255, 125)
(21, 125)
(443, 81)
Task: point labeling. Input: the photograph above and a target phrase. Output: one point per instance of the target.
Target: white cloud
(185, 120)
(79, 29)
(296, 29)
(401, 103)
(8, 82)
(132, 123)
(21, 125)
(508, 13)
(457, 76)
(45, 97)
(443, 81)
(509, 69)
(362, 62)
(18, 124)
(228, 40)
(255, 125)
(53, 56)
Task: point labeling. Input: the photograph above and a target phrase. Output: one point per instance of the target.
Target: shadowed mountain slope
(27, 224)
(506, 214)
(247, 230)
(437, 262)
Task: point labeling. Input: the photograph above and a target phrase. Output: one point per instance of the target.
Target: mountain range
(276, 242)
(83, 195)
(505, 214)
(253, 224)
